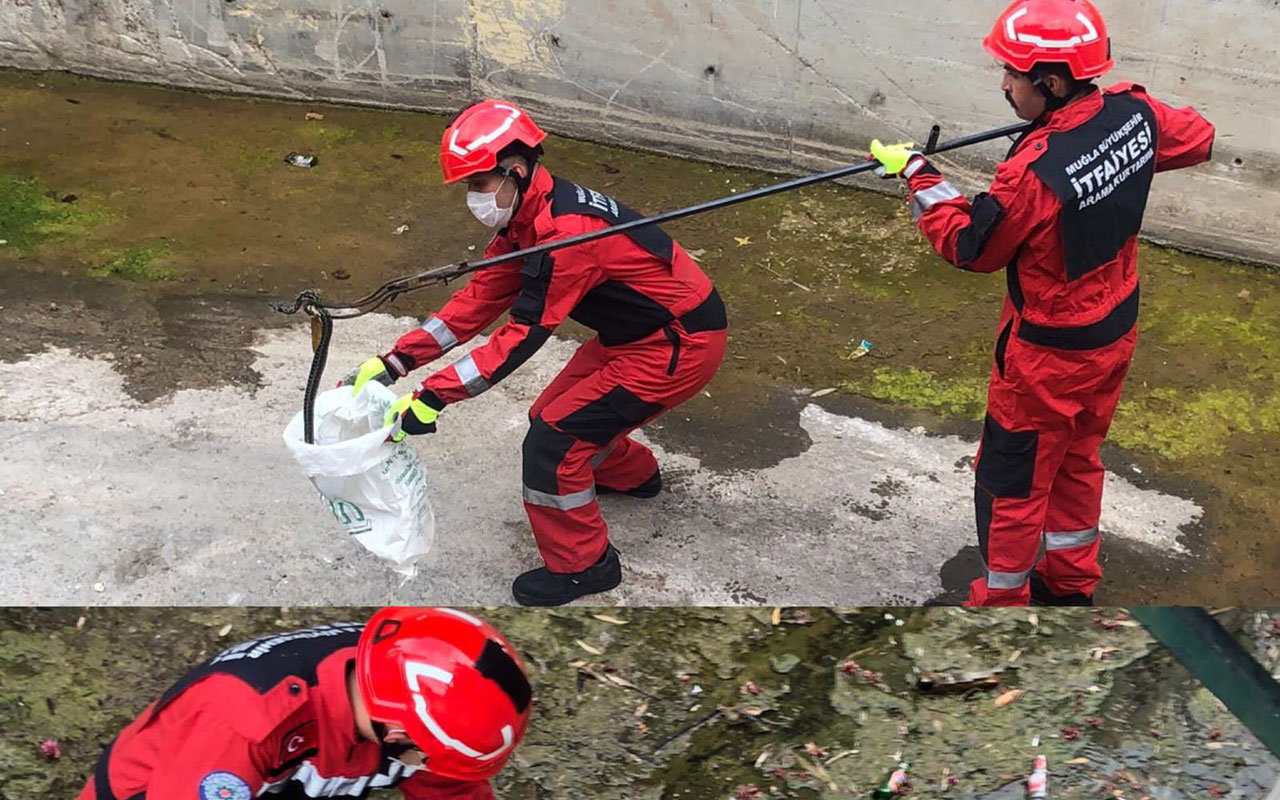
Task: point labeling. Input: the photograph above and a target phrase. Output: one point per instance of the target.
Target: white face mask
(485, 207)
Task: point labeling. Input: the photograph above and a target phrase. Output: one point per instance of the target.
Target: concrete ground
(193, 499)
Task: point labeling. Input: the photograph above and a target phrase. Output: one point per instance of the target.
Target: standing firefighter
(661, 334)
(432, 701)
(1062, 217)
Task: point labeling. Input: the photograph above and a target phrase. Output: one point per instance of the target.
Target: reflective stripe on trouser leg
(564, 502)
(926, 199)
(469, 375)
(441, 332)
(1065, 540)
(1007, 580)
(560, 498)
(599, 458)
(628, 466)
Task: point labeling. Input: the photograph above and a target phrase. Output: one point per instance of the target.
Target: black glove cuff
(410, 424)
(432, 399)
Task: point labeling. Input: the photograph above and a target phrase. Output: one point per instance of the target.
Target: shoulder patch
(224, 786)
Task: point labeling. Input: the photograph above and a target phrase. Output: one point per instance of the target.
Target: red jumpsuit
(267, 716)
(661, 334)
(1062, 215)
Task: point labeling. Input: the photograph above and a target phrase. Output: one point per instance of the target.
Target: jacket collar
(333, 706)
(1073, 113)
(535, 200)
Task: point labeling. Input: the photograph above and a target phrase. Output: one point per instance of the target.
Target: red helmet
(473, 140)
(1068, 32)
(448, 680)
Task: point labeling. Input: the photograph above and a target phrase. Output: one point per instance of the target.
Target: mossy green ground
(136, 264)
(806, 275)
(698, 704)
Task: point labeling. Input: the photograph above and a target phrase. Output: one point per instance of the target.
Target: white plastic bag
(376, 489)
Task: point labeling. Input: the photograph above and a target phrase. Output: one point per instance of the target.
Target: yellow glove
(416, 417)
(893, 158)
(375, 369)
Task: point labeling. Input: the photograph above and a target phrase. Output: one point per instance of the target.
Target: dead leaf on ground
(1080, 760)
(776, 617)
(1008, 697)
(609, 619)
(224, 630)
(314, 115)
(595, 651)
(742, 241)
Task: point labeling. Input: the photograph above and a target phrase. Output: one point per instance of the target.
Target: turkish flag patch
(299, 741)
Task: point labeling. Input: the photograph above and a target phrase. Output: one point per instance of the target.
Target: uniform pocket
(674, 338)
(1002, 346)
(532, 300)
(1006, 466)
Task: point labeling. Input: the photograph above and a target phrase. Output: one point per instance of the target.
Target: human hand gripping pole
(323, 313)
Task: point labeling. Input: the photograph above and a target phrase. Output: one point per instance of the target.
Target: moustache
(1008, 96)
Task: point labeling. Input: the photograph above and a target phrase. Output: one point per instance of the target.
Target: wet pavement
(148, 226)
(718, 704)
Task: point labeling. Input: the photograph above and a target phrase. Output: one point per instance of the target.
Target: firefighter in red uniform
(432, 701)
(1062, 218)
(661, 334)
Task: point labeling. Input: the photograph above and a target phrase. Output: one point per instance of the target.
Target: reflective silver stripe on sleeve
(913, 166)
(441, 333)
(1006, 580)
(470, 375)
(1065, 540)
(926, 199)
(396, 364)
(564, 502)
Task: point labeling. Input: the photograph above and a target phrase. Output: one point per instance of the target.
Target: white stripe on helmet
(488, 137)
(1090, 35)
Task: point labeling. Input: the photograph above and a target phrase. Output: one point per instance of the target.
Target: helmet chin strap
(1051, 101)
(522, 183)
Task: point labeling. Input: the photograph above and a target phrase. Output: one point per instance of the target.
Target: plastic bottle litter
(301, 160)
(1038, 781)
(894, 784)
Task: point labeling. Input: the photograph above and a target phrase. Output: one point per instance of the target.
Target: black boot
(542, 587)
(644, 491)
(1042, 596)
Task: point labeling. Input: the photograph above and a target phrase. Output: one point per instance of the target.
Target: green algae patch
(327, 135)
(29, 216)
(1181, 425)
(140, 264)
(918, 388)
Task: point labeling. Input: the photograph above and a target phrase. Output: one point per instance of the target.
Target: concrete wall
(785, 84)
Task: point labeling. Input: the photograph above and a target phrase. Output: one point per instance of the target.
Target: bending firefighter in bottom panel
(432, 701)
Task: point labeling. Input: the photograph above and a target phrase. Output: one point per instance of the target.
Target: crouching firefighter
(661, 334)
(1062, 218)
(431, 701)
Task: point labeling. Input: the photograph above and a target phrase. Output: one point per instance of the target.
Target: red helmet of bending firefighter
(432, 701)
(447, 684)
(660, 326)
(1062, 218)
